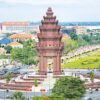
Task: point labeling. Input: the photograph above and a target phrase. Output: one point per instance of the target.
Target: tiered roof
(49, 36)
(49, 26)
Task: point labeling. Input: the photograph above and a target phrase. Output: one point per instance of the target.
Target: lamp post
(35, 85)
(43, 93)
(49, 85)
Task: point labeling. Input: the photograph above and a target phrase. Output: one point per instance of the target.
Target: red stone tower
(50, 44)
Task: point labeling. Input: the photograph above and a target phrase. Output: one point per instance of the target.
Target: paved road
(95, 95)
(3, 95)
(82, 71)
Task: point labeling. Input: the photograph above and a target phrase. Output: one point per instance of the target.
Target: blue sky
(65, 10)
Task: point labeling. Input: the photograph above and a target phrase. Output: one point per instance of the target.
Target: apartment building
(80, 30)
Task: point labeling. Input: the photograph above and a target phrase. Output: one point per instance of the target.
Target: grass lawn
(92, 61)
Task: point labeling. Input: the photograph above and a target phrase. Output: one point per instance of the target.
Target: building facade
(18, 27)
(77, 29)
(95, 31)
(80, 30)
(67, 30)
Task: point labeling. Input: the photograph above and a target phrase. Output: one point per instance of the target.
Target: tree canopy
(27, 54)
(8, 77)
(69, 87)
(8, 49)
(92, 76)
(18, 96)
(69, 45)
(73, 35)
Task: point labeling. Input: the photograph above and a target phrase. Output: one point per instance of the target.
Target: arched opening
(50, 64)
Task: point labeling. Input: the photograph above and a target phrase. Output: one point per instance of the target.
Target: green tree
(69, 45)
(35, 82)
(92, 76)
(74, 36)
(16, 54)
(27, 54)
(31, 43)
(8, 49)
(18, 96)
(81, 42)
(69, 87)
(8, 77)
(86, 38)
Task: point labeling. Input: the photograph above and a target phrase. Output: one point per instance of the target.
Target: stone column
(45, 66)
(54, 65)
(57, 65)
(43, 69)
(40, 64)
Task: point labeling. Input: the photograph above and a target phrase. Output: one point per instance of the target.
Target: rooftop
(21, 36)
(14, 44)
(5, 41)
(65, 36)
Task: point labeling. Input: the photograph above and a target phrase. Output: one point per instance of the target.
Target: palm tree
(18, 96)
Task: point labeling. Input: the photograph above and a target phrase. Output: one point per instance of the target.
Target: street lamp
(43, 93)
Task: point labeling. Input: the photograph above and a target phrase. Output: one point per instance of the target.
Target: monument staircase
(23, 82)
